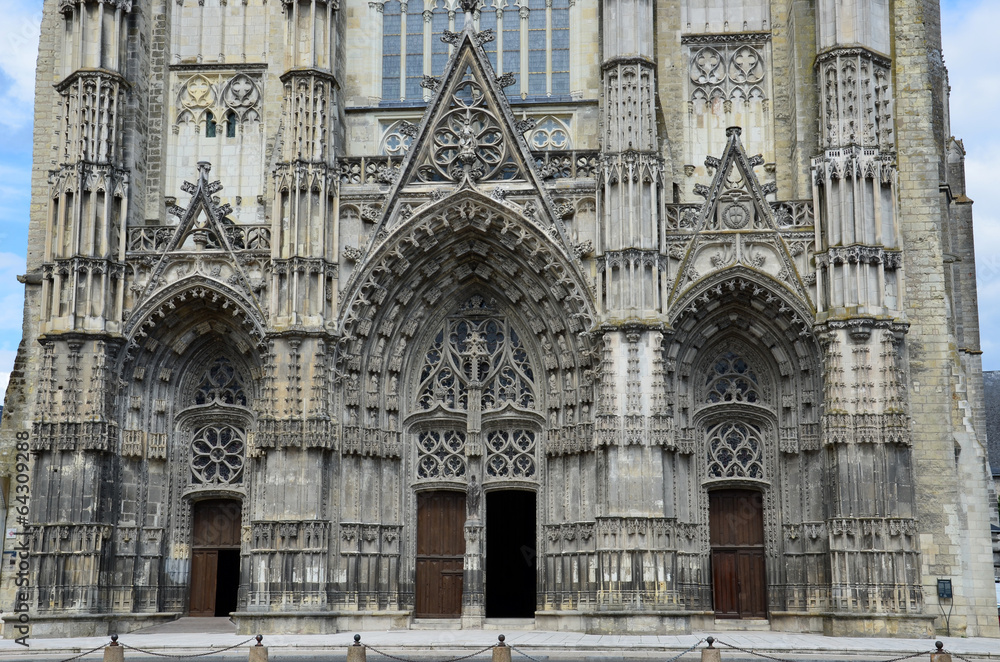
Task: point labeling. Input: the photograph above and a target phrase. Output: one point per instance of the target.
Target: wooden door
(215, 531)
(204, 576)
(440, 554)
(736, 529)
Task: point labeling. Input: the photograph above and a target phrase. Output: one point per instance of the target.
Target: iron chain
(906, 657)
(174, 655)
(683, 653)
(77, 657)
(403, 659)
(751, 652)
(521, 652)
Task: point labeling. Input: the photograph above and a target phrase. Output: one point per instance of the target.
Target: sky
(975, 94)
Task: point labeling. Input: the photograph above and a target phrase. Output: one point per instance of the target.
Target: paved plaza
(190, 635)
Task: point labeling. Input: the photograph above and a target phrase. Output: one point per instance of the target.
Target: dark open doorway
(511, 548)
(215, 558)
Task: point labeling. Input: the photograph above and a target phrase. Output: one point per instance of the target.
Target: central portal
(511, 550)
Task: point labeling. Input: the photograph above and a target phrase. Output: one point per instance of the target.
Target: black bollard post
(114, 652)
(258, 653)
(939, 655)
(501, 651)
(711, 654)
(356, 653)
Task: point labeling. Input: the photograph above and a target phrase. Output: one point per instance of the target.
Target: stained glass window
(532, 41)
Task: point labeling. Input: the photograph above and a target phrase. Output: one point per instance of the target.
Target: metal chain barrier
(894, 659)
(77, 657)
(521, 652)
(749, 651)
(403, 659)
(175, 655)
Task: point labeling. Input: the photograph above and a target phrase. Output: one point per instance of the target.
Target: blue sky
(968, 25)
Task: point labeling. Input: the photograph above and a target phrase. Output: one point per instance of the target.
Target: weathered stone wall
(735, 261)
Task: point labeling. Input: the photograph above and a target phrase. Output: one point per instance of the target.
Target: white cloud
(11, 294)
(6, 366)
(975, 93)
(18, 56)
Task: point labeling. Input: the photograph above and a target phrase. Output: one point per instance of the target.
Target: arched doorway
(511, 550)
(736, 533)
(215, 557)
(475, 432)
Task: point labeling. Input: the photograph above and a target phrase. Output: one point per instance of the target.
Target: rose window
(734, 451)
(468, 139)
(217, 454)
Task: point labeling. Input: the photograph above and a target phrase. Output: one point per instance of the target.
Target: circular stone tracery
(217, 454)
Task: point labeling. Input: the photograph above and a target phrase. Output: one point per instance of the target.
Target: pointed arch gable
(420, 273)
(240, 317)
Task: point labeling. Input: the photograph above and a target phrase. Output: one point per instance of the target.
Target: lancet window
(221, 384)
(476, 398)
(532, 42)
(731, 379)
(478, 354)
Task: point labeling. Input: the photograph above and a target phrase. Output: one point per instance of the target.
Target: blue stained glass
(536, 61)
(560, 18)
(536, 20)
(415, 44)
(560, 60)
(390, 88)
(413, 90)
(560, 83)
(512, 62)
(438, 63)
(536, 84)
(414, 68)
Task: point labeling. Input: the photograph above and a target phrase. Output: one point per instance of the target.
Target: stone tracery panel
(482, 353)
(734, 450)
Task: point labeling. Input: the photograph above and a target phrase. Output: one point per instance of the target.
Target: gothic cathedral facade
(607, 314)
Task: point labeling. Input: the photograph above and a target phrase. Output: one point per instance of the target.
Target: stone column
(870, 519)
(293, 515)
(75, 434)
(631, 418)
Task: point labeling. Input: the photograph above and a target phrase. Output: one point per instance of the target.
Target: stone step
(436, 624)
(509, 624)
(742, 625)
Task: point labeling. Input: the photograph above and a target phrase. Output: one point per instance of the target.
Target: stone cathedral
(655, 315)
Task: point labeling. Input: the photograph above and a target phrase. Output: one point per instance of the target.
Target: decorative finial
(710, 640)
(259, 638)
(469, 7)
(502, 639)
(730, 131)
(939, 645)
(357, 640)
(204, 167)
(114, 640)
